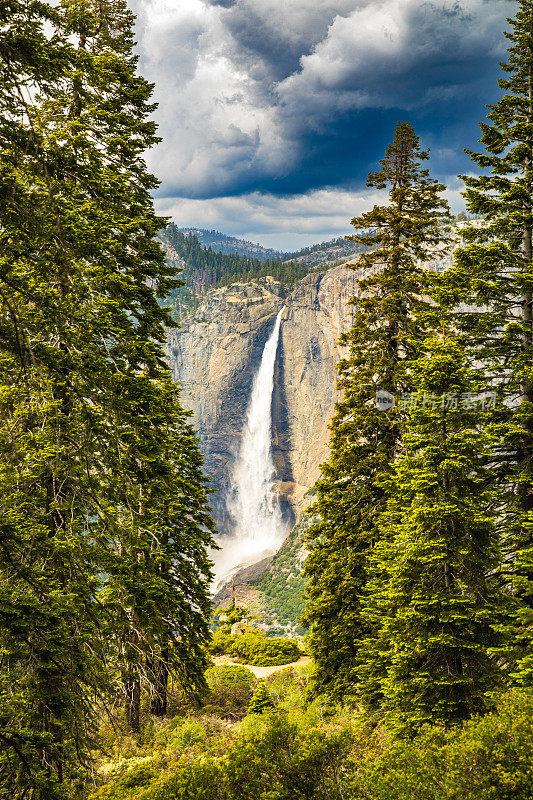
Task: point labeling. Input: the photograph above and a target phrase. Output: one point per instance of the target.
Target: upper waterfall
(259, 529)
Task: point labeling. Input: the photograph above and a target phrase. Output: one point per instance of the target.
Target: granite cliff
(216, 352)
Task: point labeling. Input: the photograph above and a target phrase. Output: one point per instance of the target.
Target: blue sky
(272, 112)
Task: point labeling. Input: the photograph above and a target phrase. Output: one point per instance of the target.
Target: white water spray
(259, 528)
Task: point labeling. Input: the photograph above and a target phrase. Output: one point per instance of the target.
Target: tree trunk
(525, 488)
(159, 703)
(132, 684)
(133, 704)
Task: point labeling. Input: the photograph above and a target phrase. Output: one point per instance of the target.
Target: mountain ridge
(229, 245)
(313, 255)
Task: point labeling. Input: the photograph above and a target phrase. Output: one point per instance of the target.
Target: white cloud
(249, 89)
(282, 222)
(359, 62)
(285, 223)
(212, 116)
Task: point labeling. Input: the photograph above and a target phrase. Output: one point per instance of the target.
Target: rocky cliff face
(216, 353)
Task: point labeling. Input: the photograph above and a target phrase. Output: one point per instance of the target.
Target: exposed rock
(305, 393)
(216, 353)
(239, 628)
(240, 582)
(214, 356)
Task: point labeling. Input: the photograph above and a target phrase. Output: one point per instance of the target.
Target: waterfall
(259, 529)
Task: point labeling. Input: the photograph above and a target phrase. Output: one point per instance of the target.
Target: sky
(272, 112)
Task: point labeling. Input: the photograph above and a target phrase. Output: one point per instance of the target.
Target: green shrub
(196, 781)
(254, 647)
(140, 775)
(306, 754)
(220, 643)
(130, 783)
(261, 701)
(191, 732)
(487, 758)
(263, 652)
(231, 690)
(276, 761)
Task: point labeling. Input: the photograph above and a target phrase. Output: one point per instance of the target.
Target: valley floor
(261, 672)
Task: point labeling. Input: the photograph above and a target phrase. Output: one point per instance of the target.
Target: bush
(263, 652)
(130, 783)
(487, 758)
(261, 701)
(279, 762)
(231, 690)
(289, 755)
(196, 781)
(189, 733)
(220, 643)
(255, 648)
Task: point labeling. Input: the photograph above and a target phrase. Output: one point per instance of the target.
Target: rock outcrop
(216, 352)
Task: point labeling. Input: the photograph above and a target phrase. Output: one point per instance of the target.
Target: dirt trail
(261, 672)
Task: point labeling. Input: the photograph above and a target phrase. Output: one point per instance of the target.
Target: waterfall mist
(258, 529)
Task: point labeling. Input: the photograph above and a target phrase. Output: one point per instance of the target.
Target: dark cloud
(287, 96)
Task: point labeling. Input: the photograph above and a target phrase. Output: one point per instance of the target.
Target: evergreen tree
(388, 326)
(50, 654)
(494, 275)
(261, 701)
(105, 523)
(433, 600)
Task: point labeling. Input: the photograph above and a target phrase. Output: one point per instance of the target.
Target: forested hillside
(221, 243)
(203, 268)
(320, 253)
(326, 252)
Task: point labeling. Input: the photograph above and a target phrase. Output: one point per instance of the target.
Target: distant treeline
(314, 248)
(207, 269)
(230, 244)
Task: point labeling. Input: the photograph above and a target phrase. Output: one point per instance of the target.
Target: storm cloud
(288, 97)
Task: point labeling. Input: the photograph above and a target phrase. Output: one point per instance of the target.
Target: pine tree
(388, 326)
(45, 624)
(433, 599)
(105, 524)
(494, 275)
(261, 701)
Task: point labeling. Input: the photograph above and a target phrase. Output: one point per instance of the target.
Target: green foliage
(220, 643)
(493, 274)
(231, 689)
(228, 675)
(283, 584)
(257, 649)
(103, 506)
(138, 776)
(226, 617)
(389, 324)
(433, 598)
(328, 753)
(271, 760)
(488, 758)
(188, 734)
(261, 701)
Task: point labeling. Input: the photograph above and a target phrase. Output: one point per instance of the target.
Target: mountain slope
(222, 243)
(324, 253)
(204, 268)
